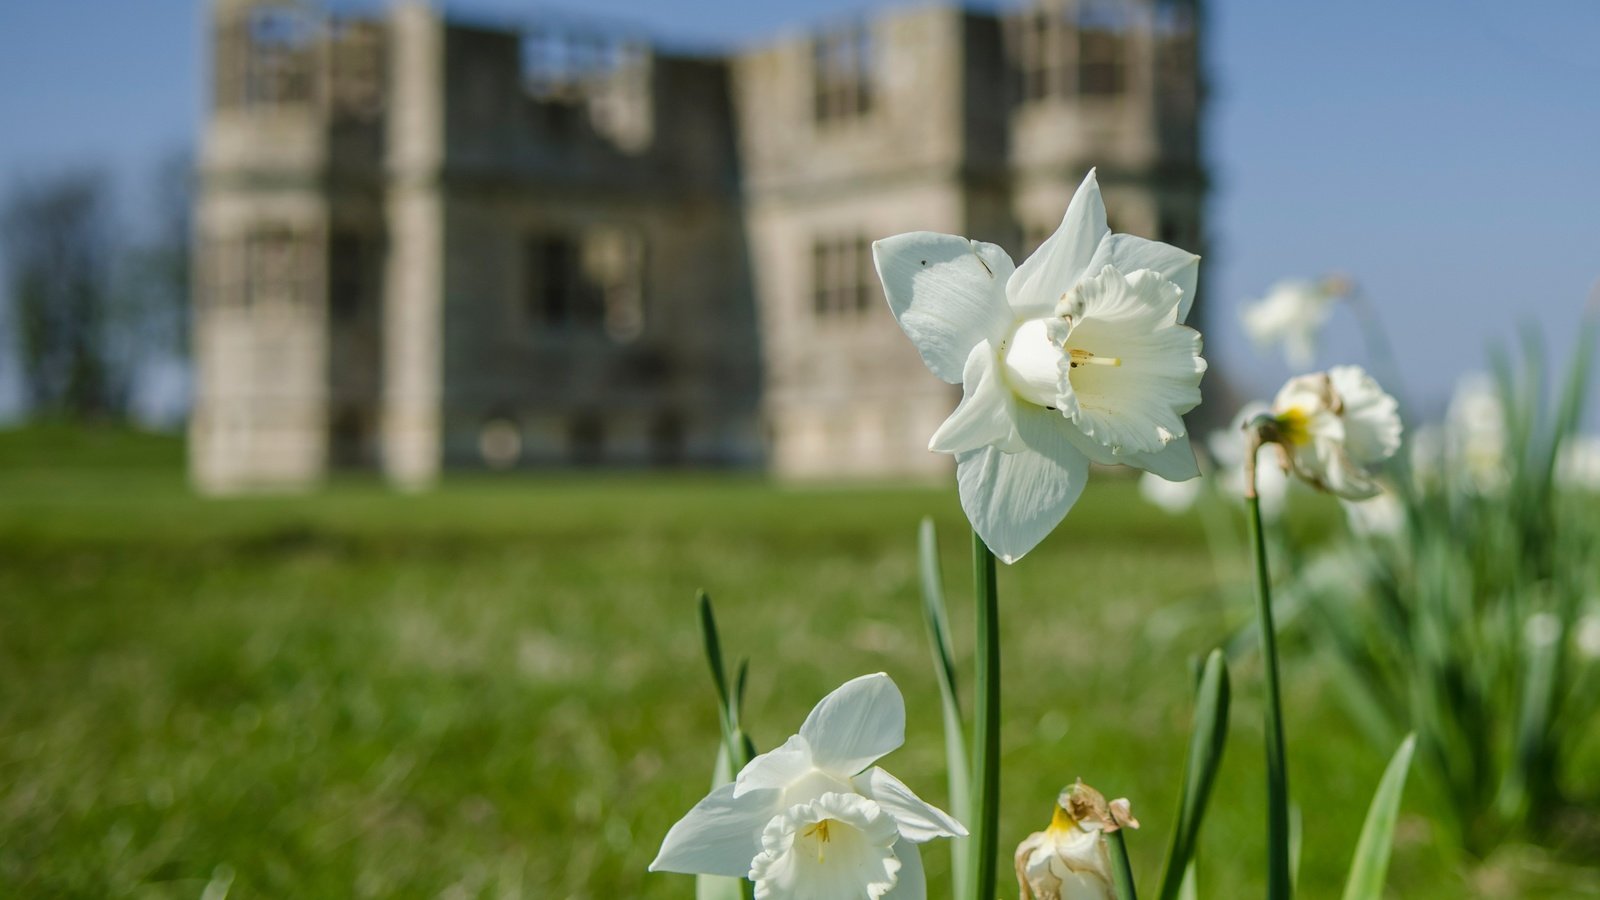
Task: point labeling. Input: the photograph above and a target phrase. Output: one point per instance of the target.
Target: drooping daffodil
(814, 819)
(1078, 355)
(1069, 859)
(1291, 315)
(1335, 429)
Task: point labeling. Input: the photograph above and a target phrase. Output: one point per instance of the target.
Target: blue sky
(1446, 154)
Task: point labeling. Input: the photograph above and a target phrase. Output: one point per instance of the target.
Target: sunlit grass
(496, 689)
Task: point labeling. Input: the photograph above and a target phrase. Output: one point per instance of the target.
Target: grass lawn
(496, 688)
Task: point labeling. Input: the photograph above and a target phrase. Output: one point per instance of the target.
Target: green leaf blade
(1371, 863)
(1206, 742)
(937, 620)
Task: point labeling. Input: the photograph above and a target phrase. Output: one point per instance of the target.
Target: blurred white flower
(1475, 430)
(1336, 428)
(1542, 629)
(1069, 859)
(1426, 448)
(1579, 463)
(1172, 497)
(1291, 315)
(810, 819)
(1589, 635)
(1380, 516)
(1078, 355)
(1226, 446)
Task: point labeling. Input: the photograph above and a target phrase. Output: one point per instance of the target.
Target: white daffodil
(811, 819)
(1069, 859)
(1336, 428)
(1476, 428)
(1291, 315)
(1588, 632)
(1078, 355)
(1578, 465)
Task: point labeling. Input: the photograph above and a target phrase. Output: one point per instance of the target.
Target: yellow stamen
(820, 832)
(1085, 358)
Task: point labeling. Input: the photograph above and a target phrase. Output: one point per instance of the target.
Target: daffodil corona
(1078, 355)
(814, 818)
(1335, 429)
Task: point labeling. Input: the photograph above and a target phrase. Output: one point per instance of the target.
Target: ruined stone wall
(533, 247)
(288, 170)
(596, 303)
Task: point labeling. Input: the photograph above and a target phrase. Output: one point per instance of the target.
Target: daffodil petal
(1129, 253)
(1174, 462)
(776, 768)
(912, 884)
(720, 835)
(983, 416)
(947, 293)
(1013, 500)
(863, 719)
(1135, 406)
(918, 820)
(1371, 416)
(1063, 258)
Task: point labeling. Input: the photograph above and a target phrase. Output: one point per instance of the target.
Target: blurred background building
(426, 242)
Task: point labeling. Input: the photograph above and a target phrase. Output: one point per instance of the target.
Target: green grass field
(496, 689)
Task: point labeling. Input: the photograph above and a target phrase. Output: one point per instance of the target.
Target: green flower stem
(1279, 886)
(985, 840)
(1121, 868)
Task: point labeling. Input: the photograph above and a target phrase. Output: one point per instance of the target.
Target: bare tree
(157, 267)
(57, 238)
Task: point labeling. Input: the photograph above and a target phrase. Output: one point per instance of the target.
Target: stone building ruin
(427, 243)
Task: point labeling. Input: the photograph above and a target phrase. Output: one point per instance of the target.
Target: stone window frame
(844, 282)
(1063, 50)
(267, 57)
(554, 295)
(355, 274)
(279, 267)
(358, 59)
(842, 83)
(601, 282)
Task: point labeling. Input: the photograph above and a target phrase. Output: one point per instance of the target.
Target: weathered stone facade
(424, 243)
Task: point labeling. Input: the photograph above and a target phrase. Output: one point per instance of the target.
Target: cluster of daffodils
(1079, 355)
(815, 818)
(1069, 860)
